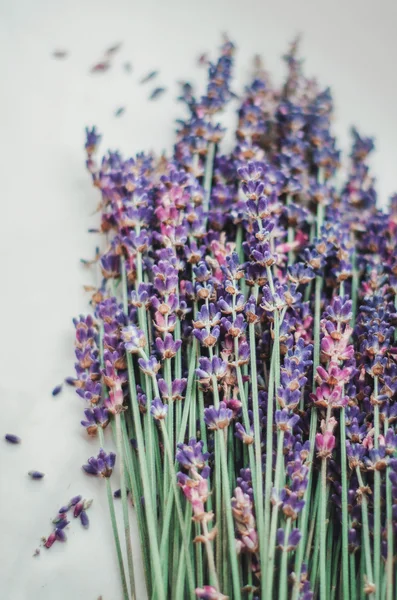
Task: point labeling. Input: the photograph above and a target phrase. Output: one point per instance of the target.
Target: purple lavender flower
(92, 140)
(168, 348)
(211, 368)
(191, 455)
(218, 418)
(150, 366)
(133, 338)
(57, 390)
(158, 410)
(102, 465)
(95, 417)
(176, 392)
(292, 542)
(285, 421)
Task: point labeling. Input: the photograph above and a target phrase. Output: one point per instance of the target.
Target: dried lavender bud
(13, 439)
(84, 519)
(157, 92)
(60, 535)
(50, 540)
(149, 76)
(113, 49)
(74, 501)
(57, 390)
(59, 54)
(117, 494)
(119, 111)
(36, 474)
(60, 517)
(79, 507)
(100, 67)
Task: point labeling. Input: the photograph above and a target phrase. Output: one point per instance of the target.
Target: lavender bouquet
(241, 354)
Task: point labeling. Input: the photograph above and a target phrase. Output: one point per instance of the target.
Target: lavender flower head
(102, 465)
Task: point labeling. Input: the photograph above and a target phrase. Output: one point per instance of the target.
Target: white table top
(48, 204)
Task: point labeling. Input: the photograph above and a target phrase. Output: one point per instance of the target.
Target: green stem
(210, 556)
(149, 435)
(323, 531)
(258, 450)
(316, 328)
(354, 285)
(367, 543)
(283, 588)
(136, 496)
(149, 510)
(336, 570)
(273, 525)
(314, 523)
(345, 515)
(307, 505)
(291, 236)
(116, 539)
(124, 501)
(269, 452)
(377, 507)
(169, 454)
(389, 530)
(114, 526)
(207, 184)
(353, 584)
(229, 518)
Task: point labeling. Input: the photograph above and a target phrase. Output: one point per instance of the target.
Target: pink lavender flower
(325, 444)
(208, 592)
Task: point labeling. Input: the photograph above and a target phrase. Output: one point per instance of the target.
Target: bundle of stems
(242, 350)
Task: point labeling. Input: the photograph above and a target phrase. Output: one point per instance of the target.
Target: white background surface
(47, 205)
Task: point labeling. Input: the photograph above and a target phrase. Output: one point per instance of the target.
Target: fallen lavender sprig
(243, 330)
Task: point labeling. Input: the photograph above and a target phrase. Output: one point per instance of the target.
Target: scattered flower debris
(203, 59)
(12, 439)
(36, 475)
(119, 111)
(80, 508)
(127, 66)
(149, 76)
(36, 552)
(60, 54)
(57, 390)
(113, 49)
(157, 92)
(101, 67)
(117, 493)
